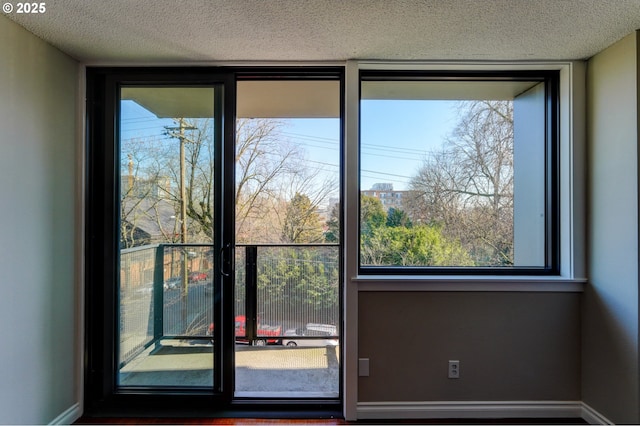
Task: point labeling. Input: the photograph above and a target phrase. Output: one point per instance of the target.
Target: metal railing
(166, 291)
(137, 310)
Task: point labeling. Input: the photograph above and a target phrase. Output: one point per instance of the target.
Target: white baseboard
(592, 417)
(469, 409)
(69, 416)
(445, 410)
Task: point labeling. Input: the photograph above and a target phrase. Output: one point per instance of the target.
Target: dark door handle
(225, 264)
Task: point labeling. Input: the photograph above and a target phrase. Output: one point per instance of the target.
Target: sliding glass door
(169, 280)
(287, 309)
(213, 239)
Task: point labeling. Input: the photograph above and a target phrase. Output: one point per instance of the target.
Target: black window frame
(552, 172)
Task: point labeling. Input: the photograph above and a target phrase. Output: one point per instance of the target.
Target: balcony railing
(166, 292)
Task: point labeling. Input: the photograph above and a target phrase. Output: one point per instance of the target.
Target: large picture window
(458, 172)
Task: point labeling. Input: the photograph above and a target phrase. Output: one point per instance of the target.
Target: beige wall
(511, 346)
(610, 332)
(38, 91)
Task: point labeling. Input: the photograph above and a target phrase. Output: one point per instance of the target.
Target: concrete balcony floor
(272, 371)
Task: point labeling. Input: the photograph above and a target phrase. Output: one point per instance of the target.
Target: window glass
(453, 173)
(166, 287)
(287, 224)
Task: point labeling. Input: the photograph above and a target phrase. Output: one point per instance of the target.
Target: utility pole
(184, 271)
(183, 209)
(130, 181)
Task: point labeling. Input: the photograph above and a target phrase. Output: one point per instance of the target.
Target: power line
(385, 174)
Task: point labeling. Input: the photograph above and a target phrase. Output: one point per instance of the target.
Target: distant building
(382, 187)
(136, 187)
(387, 195)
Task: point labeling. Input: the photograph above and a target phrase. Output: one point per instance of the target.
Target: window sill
(469, 283)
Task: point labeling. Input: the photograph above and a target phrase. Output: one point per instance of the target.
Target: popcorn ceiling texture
(165, 31)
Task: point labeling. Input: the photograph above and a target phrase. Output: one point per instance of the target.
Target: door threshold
(287, 395)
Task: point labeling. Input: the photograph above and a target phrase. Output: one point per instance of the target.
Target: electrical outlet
(363, 367)
(454, 369)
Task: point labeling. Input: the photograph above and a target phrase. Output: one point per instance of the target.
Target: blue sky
(137, 122)
(396, 136)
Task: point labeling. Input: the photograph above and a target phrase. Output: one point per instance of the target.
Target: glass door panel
(287, 239)
(167, 286)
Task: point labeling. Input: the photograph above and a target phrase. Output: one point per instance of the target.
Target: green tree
(301, 282)
(421, 245)
(301, 222)
(332, 235)
(398, 217)
(372, 214)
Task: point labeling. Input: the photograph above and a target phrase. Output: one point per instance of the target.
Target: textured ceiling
(163, 31)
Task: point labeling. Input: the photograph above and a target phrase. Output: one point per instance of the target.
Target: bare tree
(196, 174)
(467, 186)
(270, 170)
(262, 158)
(139, 198)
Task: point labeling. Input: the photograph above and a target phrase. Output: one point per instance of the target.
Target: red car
(197, 276)
(268, 334)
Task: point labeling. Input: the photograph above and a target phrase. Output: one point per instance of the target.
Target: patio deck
(268, 371)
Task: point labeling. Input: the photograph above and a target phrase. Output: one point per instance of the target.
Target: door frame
(101, 395)
(102, 236)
